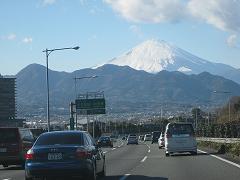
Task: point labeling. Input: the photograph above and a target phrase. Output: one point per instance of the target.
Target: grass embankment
(222, 148)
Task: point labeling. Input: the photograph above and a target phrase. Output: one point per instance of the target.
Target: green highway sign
(90, 106)
(91, 111)
(90, 103)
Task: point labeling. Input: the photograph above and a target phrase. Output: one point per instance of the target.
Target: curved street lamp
(48, 52)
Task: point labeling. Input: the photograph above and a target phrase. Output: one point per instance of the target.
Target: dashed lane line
(144, 159)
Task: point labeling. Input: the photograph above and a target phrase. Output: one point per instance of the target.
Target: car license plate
(54, 156)
(3, 149)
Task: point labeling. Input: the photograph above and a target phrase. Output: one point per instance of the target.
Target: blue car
(64, 154)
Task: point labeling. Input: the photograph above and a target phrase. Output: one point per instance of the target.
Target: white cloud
(223, 14)
(27, 40)
(136, 30)
(232, 40)
(149, 11)
(48, 2)
(11, 37)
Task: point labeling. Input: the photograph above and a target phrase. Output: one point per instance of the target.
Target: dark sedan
(64, 154)
(105, 141)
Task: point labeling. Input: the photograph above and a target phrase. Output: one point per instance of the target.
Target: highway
(146, 162)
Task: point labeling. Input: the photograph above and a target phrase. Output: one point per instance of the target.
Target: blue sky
(108, 28)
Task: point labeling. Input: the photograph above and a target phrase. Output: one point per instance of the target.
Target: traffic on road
(76, 155)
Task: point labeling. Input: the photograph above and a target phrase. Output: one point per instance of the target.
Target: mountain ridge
(125, 88)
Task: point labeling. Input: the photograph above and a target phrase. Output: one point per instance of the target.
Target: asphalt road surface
(146, 162)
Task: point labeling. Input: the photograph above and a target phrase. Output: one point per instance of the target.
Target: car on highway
(105, 141)
(155, 136)
(161, 141)
(14, 143)
(147, 137)
(132, 139)
(65, 154)
(180, 138)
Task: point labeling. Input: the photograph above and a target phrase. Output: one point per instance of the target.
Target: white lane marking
(144, 159)
(148, 146)
(113, 148)
(124, 177)
(7, 179)
(224, 160)
(104, 152)
(149, 150)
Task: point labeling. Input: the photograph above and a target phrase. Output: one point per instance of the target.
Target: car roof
(64, 132)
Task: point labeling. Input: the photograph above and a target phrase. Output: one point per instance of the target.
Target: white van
(180, 138)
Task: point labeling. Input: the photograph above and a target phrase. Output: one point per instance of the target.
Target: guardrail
(219, 140)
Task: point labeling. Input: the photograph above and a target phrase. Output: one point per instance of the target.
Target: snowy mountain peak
(154, 56)
(151, 56)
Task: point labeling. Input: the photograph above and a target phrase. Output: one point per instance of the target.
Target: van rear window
(181, 129)
(8, 135)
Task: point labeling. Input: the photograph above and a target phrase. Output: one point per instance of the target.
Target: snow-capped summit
(154, 56)
(151, 56)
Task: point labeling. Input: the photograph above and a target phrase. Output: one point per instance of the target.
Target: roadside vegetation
(222, 148)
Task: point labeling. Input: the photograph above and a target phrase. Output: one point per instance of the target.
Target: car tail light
(29, 155)
(82, 153)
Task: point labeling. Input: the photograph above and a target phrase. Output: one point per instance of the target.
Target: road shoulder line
(224, 160)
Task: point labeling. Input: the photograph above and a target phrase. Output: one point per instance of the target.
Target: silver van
(180, 138)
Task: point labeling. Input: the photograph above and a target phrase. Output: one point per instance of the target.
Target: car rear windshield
(8, 135)
(104, 138)
(181, 129)
(60, 139)
(132, 136)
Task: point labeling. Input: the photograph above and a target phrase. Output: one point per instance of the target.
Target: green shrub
(233, 148)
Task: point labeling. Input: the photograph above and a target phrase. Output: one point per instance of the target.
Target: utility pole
(71, 116)
(161, 114)
(196, 121)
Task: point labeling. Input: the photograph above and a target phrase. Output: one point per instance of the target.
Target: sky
(105, 29)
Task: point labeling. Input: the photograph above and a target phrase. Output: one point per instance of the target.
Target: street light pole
(48, 52)
(47, 80)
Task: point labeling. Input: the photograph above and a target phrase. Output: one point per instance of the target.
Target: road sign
(91, 111)
(90, 103)
(90, 106)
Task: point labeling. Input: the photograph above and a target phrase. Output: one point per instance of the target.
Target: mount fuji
(154, 56)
